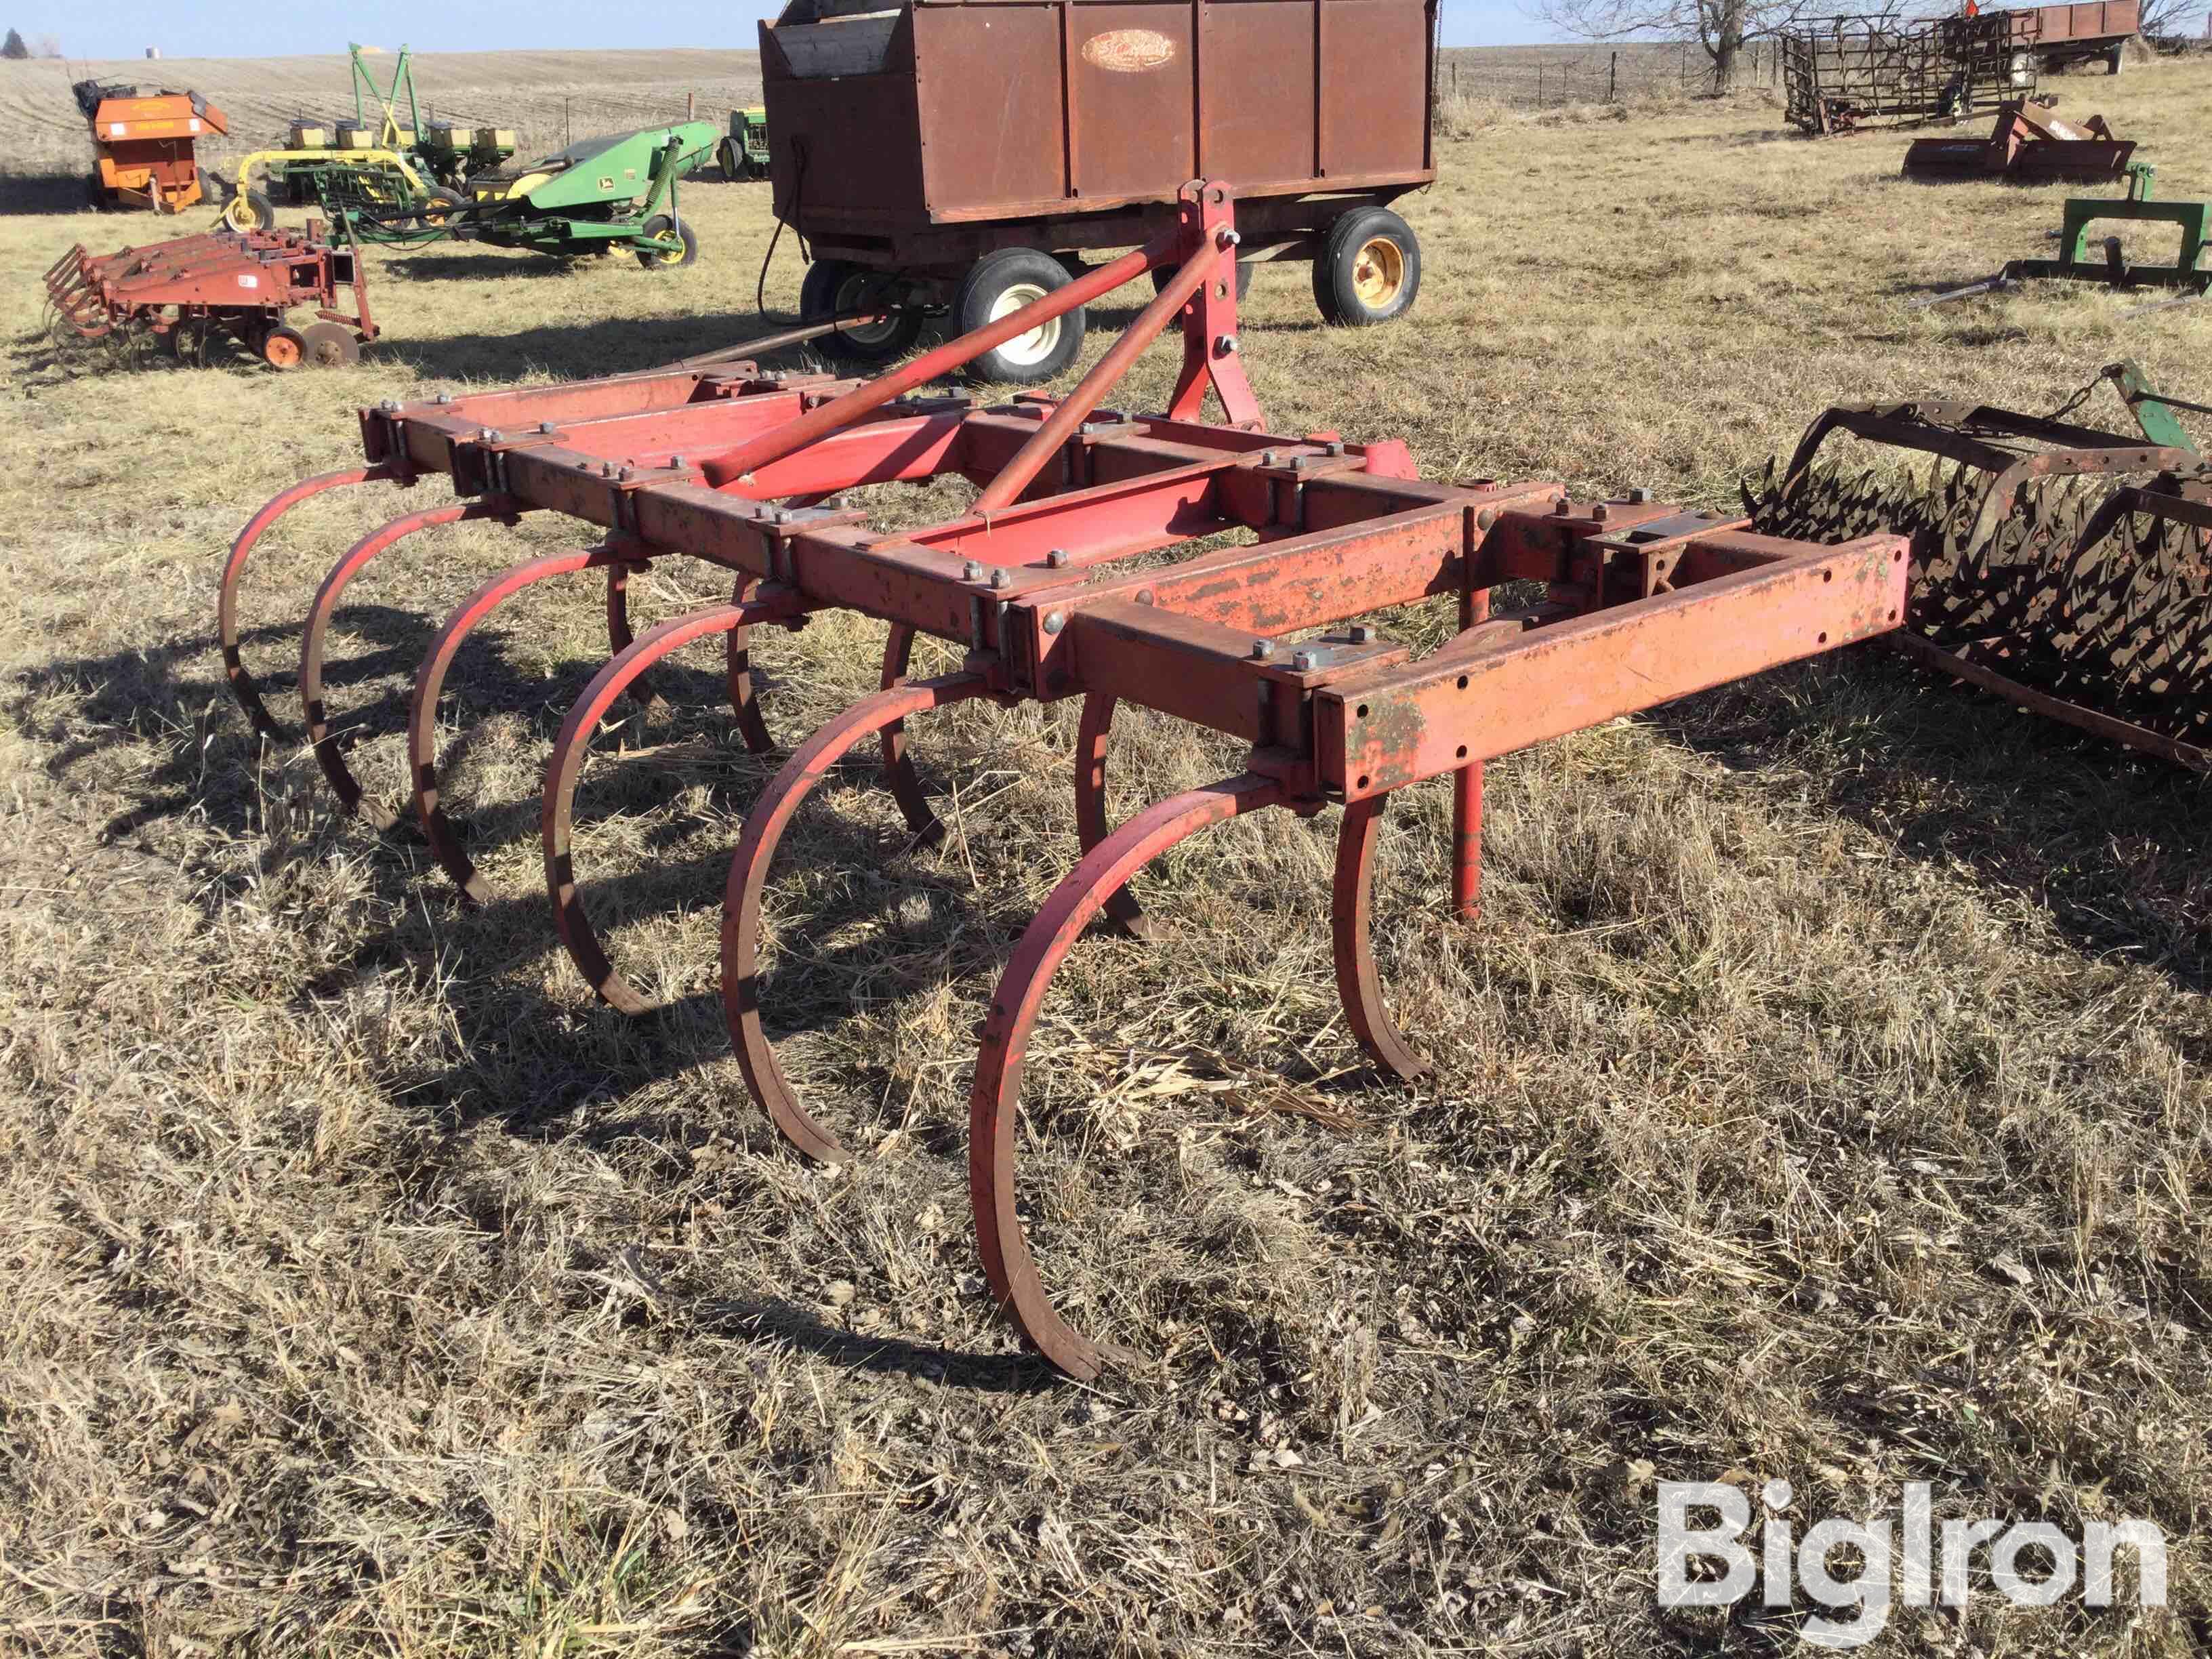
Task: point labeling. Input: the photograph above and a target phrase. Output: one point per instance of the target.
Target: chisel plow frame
(1051, 584)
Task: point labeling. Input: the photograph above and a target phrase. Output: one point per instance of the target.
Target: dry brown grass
(1819, 1096)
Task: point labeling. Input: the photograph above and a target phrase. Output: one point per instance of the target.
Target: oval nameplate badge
(1128, 52)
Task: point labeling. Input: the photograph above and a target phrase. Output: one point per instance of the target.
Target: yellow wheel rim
(1378, 274)
(241, 214)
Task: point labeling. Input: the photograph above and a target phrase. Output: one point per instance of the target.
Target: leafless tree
(1722, 27)
(46, 46)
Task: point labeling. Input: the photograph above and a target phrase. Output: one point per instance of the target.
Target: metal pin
(1227, 237)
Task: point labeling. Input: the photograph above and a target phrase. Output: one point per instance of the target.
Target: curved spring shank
(430, 681)
(565, 768)
(1090, 821)
(741, 901)
(241, 683)
(1080, 895)
(1357, 985)
(328, 754)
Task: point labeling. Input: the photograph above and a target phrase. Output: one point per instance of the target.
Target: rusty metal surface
(1095, 105)
(1039, 588)
(2031, 143)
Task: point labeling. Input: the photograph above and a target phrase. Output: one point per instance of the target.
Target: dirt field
(1819, 1096)
(546, 96)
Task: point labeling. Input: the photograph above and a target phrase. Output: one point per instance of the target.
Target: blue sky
(230, 29)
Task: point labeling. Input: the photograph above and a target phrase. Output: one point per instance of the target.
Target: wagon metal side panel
(846, 148)
(1374, 115)
(1257, 89)
(993, 120)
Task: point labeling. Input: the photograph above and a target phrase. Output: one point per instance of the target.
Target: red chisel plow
(1630, 602)
(197, 290)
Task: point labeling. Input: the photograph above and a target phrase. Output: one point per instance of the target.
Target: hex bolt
(1334, 446)
(971, 572)
(606, 469)
(1361, 633)
(546, 428)
(1057, 559)
(1267, 458)
(1226, 345)
(1598, 512)
(484, 434)
(1054, 623)
(1262, 649)
(1305, 662)
(1145, 596)
(443, 398)
(677, 461)
(1226, 238)
(390, 406)
(1561, 507)
(1002, 578)
(1639, 497)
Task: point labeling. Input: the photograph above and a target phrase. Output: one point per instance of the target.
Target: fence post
(1539, 86)
(1612, 80)
(690, 105)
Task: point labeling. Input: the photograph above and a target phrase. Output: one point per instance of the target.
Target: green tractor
(744, 154)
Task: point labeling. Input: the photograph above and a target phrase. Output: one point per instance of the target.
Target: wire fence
(1608, 76)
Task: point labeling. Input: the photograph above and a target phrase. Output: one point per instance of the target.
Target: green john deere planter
(596, 196)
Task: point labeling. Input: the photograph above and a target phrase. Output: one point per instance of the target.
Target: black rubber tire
(730, 160)
(96, 193)
(1336, 268)
(834, 285)
(2112, 64)
(330, 345)
(447, 205)
(660, 225)
(249, 210)
(1163, 275)
(983, 289)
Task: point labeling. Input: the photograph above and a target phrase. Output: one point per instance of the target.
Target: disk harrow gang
(2034, 576)
(1053, 585)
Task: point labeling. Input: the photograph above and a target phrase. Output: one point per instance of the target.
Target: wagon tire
(660, 224)
(832, 285)
(1163, 275)
(1369, 269)
(1003, 282)
(248, 209)
(330, 345)
(442, 207)
(2112, 64)
(731, 163)
(96, 193)
(283, 347)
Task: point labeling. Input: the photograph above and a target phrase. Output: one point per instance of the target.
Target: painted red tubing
(742, 895)
(732, 464)
(991, 1102)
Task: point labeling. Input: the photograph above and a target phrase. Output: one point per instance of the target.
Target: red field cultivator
(196, 291)
(1053, 584)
